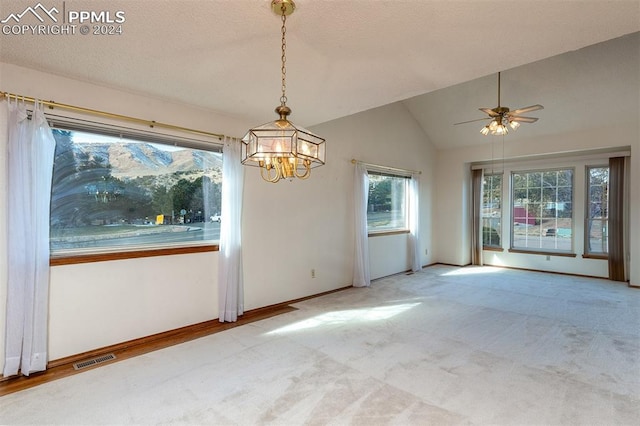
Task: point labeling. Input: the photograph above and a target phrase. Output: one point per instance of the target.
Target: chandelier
(280, 148)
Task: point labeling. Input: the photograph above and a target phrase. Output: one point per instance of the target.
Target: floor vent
(93, 361)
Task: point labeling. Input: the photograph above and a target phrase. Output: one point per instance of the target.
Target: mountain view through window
(110, 192)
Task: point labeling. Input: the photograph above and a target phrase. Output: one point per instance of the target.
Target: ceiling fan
(502, 117)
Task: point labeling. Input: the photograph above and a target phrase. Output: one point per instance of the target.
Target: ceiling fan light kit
(498, 128)
(502, 118)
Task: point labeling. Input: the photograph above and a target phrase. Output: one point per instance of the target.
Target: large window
(114, 193)
(491, 210)
(597, 211)
(542, 210)
(388, 202)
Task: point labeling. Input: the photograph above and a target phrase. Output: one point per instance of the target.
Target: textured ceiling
(342, 57)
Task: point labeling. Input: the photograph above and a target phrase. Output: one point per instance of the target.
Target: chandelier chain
(283, 98)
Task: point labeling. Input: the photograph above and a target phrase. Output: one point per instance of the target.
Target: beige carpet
(443, 346)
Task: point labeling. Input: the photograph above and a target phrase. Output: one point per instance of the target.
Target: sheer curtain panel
(361, 273)
(414, 223)
(31, 148)
(230, 277)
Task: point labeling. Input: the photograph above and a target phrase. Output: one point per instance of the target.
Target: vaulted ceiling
(438, 56)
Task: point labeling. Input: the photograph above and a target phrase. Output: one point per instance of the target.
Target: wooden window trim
(492, 248)
(543, 253)
(595, 256)
(133, 254)
(386, 233)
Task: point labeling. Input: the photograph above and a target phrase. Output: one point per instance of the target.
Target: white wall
(288, 228)
(452, 213)
(98, 304)
(387, 136)
(388, 255)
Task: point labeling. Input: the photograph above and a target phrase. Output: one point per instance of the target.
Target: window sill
(385, 233)
(595, 256)
(121, 255)
(543, 253)
(489, 248)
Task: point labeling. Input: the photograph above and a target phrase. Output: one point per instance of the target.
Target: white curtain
(414, 223)
(31, 148)
(361, 274)
(230, 278)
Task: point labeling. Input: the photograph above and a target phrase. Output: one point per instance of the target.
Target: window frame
(497, 246)
(540, 250)
(587, 212)
(98, 254)
(390, 230)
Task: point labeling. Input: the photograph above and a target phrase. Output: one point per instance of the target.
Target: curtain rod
(150, 123)
(354, 161)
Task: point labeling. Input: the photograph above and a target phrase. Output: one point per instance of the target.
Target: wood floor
(60, 368)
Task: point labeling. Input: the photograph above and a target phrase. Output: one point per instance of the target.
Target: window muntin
(542, 210)
(597, 211)
(491, 210)
(387, 208)
(112, 193)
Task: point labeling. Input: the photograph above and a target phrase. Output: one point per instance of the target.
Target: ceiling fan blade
(526, 109)
(523, 119)
(489, 111)
(472, 121)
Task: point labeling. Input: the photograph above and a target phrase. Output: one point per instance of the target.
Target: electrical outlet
(426, 251)
(548, 257)
(313, 273)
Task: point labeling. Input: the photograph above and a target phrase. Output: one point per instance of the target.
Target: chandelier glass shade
(281, 149)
